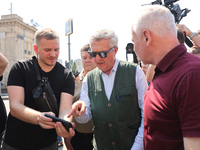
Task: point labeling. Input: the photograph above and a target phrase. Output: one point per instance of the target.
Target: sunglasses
(101, 54)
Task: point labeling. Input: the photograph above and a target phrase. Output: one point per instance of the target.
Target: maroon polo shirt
(172, 101)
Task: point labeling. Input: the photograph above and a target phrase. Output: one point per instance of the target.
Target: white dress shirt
(108, 80)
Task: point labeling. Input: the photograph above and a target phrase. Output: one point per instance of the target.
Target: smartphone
(65, 123)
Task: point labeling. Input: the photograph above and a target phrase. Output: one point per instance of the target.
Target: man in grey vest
(113, 95)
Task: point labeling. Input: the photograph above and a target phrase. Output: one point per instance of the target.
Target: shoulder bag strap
(36, 68)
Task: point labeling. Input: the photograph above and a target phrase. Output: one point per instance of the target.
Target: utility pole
(10, 8)
(69, 48)
(68, 32)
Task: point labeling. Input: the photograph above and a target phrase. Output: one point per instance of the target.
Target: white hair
(157, 19)
(105, 34)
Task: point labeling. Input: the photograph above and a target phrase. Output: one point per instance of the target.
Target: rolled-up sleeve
(84, 96)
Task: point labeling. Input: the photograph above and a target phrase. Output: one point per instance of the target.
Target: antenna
(10, 8)
(35, 23)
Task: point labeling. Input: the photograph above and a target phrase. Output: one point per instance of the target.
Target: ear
(116, 49)
(147, 37)
(35, 49)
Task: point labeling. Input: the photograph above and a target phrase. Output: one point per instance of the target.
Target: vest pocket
(101, 135)
(124, 93)
(124, 97)
(128, 130)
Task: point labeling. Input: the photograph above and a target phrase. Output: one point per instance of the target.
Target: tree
(73, 67)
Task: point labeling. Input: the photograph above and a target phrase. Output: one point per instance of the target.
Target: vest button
(113, 143)
(109, 104)
(110, 124)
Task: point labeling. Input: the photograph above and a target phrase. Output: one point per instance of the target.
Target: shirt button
(113, 143)
(109, 104)
(110, 124)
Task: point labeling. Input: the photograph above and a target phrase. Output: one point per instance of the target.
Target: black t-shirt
(24, 135)
(3, 115)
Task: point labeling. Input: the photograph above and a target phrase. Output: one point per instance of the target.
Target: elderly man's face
(104, 64)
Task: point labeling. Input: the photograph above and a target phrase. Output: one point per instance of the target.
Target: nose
(97, 58)
(53, 53)
(87, 60)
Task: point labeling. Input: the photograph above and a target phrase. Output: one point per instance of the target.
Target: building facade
(16, 41)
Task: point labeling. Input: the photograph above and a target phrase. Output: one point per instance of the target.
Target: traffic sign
(68, 27)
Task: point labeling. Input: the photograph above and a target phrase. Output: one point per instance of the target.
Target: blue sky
(88, 16)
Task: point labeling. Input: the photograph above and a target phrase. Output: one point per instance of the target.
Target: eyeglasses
(101, 54)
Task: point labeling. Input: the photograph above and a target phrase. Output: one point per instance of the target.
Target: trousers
(82, 141)
(7, 147)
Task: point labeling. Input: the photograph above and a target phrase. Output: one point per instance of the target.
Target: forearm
(3, 63)
(196, 39)
(63, 115)
(85, 117)
(65, 106)
(189, 33)
(17, 107)
(24, 113)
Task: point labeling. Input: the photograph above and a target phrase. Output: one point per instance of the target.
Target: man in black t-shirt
(26, 127)
(3, 115)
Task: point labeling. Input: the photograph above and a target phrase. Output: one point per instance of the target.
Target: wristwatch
(193, 34)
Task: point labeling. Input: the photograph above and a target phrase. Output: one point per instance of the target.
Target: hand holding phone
(65, 123)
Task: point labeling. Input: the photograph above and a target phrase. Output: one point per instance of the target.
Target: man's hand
(45, 122)
(186, 30)
(61, 131)
(78, 108)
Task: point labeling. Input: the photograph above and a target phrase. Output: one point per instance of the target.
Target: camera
(174, 8)
(76, 74)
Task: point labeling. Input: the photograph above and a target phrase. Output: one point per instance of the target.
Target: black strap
(36, 68)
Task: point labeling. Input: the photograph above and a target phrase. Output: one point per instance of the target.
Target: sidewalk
(6, 102)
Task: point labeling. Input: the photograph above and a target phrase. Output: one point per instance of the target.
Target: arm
(191, 143)
(141, 85)
(188, 32)
(81, 109)
(24, 113)
(65, 108)
(3, 63)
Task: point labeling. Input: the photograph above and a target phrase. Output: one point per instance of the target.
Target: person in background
(27, 128)
(76, 77)
(195, 50)
(112, 95)
(194, 36)
(60, 141)
(3, 114)
(83, 132)
(172, 101)
(144, 67)
(3, 64)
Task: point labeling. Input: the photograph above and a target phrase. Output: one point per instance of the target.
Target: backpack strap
(35, 63)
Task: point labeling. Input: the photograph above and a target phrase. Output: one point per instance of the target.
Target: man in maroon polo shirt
(172, 101)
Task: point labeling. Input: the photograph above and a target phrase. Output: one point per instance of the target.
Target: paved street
(6, 102)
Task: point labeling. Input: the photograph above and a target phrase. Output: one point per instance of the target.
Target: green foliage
(73, 67)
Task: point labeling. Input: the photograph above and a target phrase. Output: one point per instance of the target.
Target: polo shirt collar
(168, 59)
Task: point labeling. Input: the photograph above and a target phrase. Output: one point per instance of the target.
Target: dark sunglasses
(101, 54)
